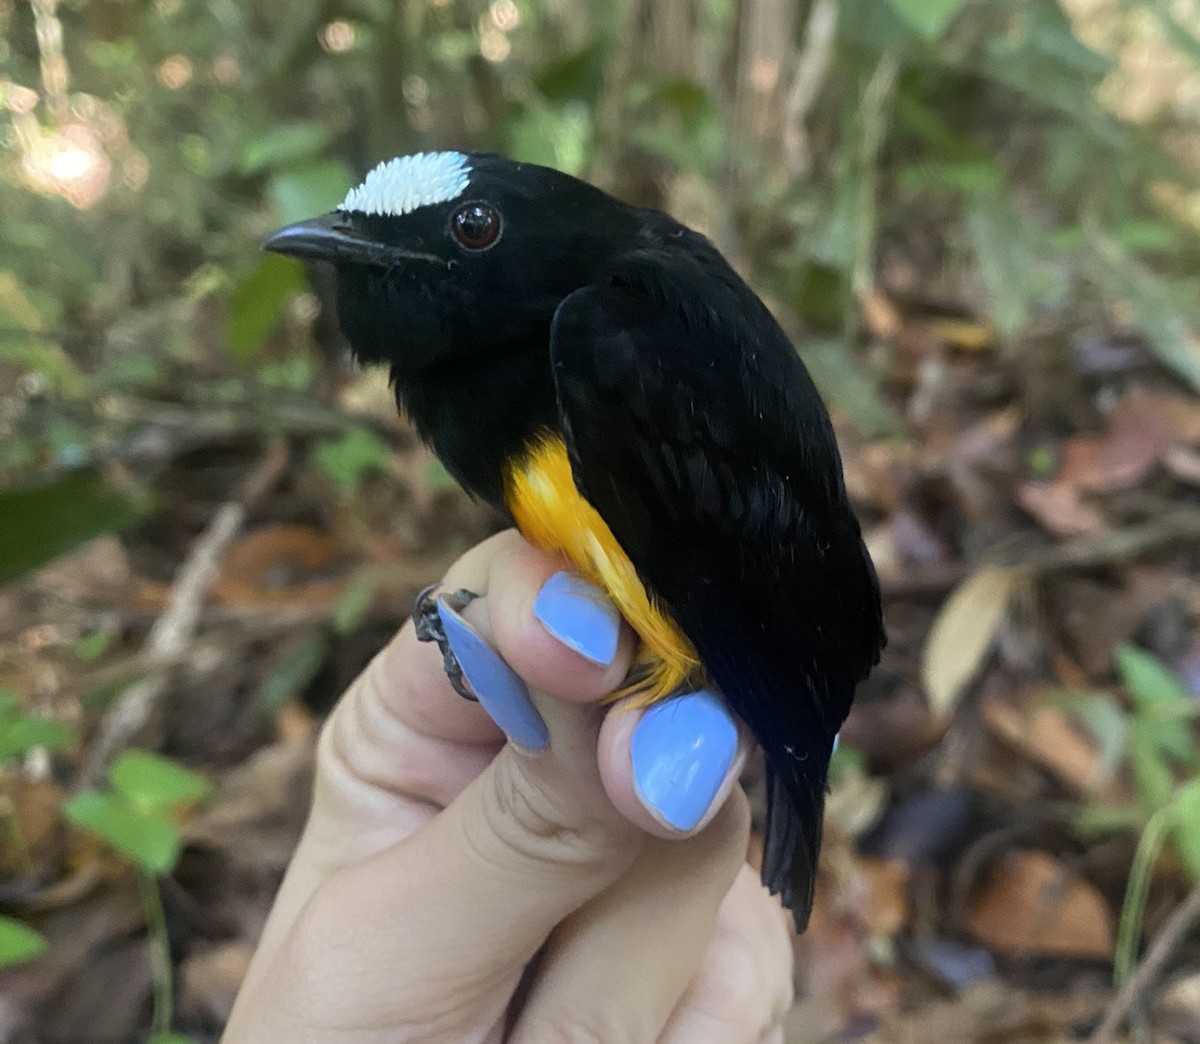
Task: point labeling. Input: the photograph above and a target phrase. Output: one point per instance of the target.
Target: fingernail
(579, 616)
(497, 687)
(681, 750)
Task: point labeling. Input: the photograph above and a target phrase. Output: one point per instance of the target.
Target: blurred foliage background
(980, 219)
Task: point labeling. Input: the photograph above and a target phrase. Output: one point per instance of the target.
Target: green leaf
(1187, 826)
(848, 390)
(872, 26)
(150, 841)
(927, 17)
(1147, 678)
(1101, 819)
(968, 177)
(438, 478)
(352, 607)
(171, 1038)
(574, 77)
(1156, 312)
(846, 761)
(19, 944)
(303, 192)
(282, 146)
(257, 301)
(298, 668)
(93, 646)
(347, 460)
(1157, 693)
(1007, 259)
(40, 523)
(554, 136)
(294, 373)
(24, 732)
(1154, 779)
(153, 783)
(1041, 58)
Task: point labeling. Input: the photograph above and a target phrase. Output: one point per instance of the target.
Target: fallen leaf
(280, 565)
(1183, 463)
(1033, 905)
(1048, 737)
(893, 732)
(1134, 441)
(855, 803)
(209, 980)
(966, 335)
(885, 906)
(1180, 413)
(33, 808)
(1144, 428)
(1058, 508)
(963, 632)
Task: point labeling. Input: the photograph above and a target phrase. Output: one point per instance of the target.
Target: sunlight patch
(401, 185)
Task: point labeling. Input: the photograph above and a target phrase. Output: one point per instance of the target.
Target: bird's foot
(428, 625)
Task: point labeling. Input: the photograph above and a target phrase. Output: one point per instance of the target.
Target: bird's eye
(476, 226)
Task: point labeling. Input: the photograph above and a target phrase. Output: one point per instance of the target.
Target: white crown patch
(401, 185)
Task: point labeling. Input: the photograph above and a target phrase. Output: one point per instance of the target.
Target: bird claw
(428, 625)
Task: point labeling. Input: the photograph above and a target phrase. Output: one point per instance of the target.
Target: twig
(1122, 545)
(811, 64)
(173, 630)
(1165, 943)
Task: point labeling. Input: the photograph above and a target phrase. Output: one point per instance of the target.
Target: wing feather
(696, 433)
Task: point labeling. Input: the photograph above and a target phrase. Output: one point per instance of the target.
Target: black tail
(792, 839)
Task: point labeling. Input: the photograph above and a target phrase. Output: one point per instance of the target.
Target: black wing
(696, 433)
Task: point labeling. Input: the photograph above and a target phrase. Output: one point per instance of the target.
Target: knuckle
(541, 826)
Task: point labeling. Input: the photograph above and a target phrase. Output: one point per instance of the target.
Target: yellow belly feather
(550, 513)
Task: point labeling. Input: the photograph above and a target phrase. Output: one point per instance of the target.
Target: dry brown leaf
(1136, 437)
(1046, 736)
(894, 732)
(1180, 413)
(880, 315)
(1143, 429)
(885, 909)
(209, 979)
(1059, 508)
(1033, 904)
(963, 633)
(280, 565)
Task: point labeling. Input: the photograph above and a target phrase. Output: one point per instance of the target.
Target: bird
(600, 374)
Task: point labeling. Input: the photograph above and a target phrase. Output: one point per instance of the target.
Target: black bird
(599, 373)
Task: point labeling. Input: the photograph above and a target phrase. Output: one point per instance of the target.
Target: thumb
(438, 928)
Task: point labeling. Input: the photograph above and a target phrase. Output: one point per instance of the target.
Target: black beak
(330, 237)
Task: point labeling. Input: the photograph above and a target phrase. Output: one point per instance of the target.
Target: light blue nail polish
(681, 750)
(580, 617)
(497, 687)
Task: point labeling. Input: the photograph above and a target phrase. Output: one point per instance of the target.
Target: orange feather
(551, 514)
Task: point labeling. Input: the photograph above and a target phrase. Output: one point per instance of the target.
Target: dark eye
(475, 225)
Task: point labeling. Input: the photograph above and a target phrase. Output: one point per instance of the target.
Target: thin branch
(1114, 548)
(173, 630)
(811, 65)
(1165, 943)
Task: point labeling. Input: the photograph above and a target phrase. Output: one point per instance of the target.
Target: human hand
(585, 882)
